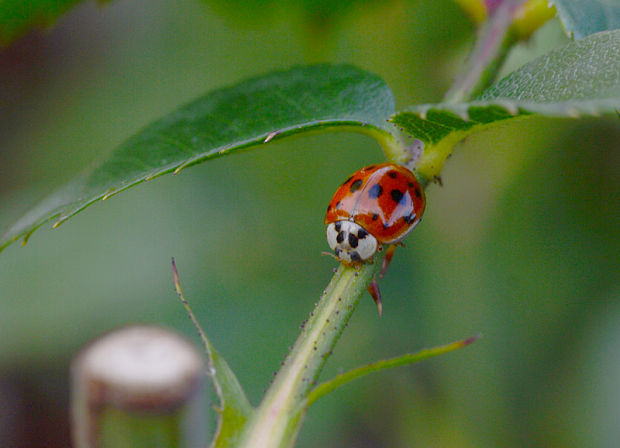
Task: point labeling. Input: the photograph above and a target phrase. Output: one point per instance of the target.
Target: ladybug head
(350, 242)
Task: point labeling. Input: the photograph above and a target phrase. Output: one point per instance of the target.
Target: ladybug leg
(373, 289)
(389, 253)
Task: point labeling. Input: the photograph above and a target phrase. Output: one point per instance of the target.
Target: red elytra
(385, 199)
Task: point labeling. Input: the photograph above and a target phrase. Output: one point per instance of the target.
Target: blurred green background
(520, 244)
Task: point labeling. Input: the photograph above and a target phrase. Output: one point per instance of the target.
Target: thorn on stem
(270, 136)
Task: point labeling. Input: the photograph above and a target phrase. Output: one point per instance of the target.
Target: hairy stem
(278, 418)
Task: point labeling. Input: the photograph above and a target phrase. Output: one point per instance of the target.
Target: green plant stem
(494, 41)
(279, 417)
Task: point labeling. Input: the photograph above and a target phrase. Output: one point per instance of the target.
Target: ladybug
(377, 205)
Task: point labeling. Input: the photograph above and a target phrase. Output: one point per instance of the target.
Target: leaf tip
(471, 340)
(175, 276)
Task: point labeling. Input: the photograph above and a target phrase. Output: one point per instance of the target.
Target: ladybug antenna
(329, 254)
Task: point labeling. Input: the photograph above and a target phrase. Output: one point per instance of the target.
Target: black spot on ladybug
(409, 219)
(338, 226)
(361, 234)
(356, 185)
(353, 240)
(340, 237)
(375, 191)
(393, 174)
(375, 216)
(418, 193)
(347, 181)
(397, 195)
(355, 256)
(410, 184)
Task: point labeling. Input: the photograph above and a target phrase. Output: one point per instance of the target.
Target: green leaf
(410, 358)
(580, 71)
(584, 17)
(581, 78)
(250, 113)
(234, 409)
(19, 16)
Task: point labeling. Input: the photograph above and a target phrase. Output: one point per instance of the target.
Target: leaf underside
(256, 111)
(584, 17)
(579, 79)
